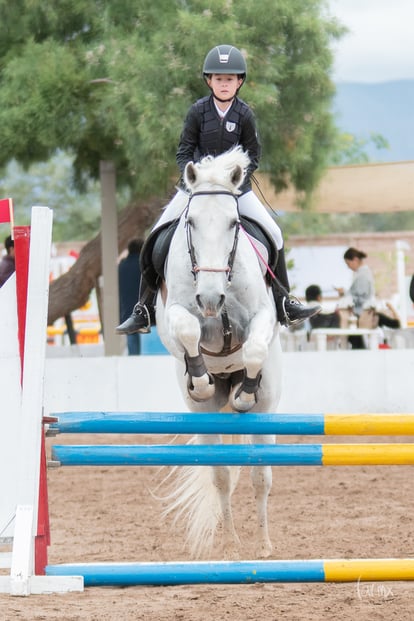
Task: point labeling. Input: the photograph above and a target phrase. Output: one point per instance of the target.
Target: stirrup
(142, 310)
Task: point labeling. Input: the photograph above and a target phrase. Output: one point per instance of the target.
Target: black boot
(142, 316)
(139, 321)
(153, 255)
(289, 310)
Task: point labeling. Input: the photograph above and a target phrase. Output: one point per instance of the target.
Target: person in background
(313, 296)
(362, 289)
(129, 276)
(390, 319)
(412, 289)
(7, 264)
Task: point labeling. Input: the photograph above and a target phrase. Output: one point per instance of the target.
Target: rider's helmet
(225, 59)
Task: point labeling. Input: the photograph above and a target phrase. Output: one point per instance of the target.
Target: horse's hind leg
(261, 477)
(225, 479)
(222, 481)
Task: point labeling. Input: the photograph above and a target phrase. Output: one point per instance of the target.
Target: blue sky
(380, 44)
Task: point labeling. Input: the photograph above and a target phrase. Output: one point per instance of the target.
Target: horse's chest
(224, 364)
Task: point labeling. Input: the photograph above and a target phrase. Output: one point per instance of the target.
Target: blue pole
(188, 423)
(186, 455)
(225, 572)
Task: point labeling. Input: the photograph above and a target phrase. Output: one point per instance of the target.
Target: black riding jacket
(205, 133)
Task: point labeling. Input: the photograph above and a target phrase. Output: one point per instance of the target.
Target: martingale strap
(227, 335)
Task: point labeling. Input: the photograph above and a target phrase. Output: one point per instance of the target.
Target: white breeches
(249, 205)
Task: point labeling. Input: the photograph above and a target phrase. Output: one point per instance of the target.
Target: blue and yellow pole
(235, 455)
(212, 423)
(243, 572)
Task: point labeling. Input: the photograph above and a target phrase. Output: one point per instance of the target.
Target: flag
(6, 211)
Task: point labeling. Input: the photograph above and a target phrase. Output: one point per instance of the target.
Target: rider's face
(224, 86)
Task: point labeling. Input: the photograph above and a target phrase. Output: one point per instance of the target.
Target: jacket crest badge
(230, 127)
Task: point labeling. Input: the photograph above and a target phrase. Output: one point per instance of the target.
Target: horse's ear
(237, 176)
(190, 174)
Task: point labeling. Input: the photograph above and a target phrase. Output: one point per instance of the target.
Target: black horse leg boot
(290, 311)
(143, 314)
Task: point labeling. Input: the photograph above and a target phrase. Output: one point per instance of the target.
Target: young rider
(215, 124)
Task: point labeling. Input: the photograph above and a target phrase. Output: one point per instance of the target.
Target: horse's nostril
(198, 300)
(222, 298)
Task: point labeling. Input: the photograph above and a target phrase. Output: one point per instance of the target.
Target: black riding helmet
(225, 59)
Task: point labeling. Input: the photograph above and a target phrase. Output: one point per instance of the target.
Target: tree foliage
(113, 81)
(76, 215)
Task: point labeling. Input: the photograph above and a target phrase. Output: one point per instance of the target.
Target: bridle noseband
(195, 268)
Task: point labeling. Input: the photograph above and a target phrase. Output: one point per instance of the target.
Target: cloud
(379, 46)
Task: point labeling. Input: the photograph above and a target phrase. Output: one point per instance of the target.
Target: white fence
(333, 381)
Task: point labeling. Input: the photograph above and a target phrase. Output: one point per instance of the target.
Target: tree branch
(72, 290)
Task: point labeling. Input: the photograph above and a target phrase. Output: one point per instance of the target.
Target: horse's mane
(218, 170)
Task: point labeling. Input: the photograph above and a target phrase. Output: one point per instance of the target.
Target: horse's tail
(194, 498)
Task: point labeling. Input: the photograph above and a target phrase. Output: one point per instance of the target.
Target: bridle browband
(195, 268)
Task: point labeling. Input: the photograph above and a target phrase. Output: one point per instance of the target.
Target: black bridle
(195, 268)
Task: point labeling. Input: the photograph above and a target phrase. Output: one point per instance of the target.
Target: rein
(195, 268)
(259, 254)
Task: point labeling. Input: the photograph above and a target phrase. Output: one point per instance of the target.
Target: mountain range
(385, 108)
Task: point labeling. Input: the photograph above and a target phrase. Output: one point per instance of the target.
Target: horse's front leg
(255, 352)
(185, 328)
(261, 477)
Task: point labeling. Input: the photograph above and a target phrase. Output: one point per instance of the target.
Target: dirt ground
(109, 514)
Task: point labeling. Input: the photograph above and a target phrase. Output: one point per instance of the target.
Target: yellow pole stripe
(369, 424)
(369, 569)
(367, 454)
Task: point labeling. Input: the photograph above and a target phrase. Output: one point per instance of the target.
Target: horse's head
(212, 221)
(226, 171)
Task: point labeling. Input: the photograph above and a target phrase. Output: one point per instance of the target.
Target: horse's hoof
(231, 551)
(240, 405)
(265, 550)
(241, 401)
(199, 390)
(200, 398)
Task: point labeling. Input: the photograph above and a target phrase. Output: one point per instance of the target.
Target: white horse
(216, 315)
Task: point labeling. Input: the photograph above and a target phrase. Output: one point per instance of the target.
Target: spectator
(129, 277)
(412, 289)
(7, 264)
(313, 296)
(362, 290)
(390, 319)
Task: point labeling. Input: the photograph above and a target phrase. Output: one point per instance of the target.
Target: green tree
(76, 215)
(350, 149)
(112, 81)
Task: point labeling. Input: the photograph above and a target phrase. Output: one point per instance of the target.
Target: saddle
(155, 249)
